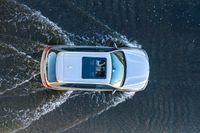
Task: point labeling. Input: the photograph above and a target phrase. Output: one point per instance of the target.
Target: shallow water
(169, 32)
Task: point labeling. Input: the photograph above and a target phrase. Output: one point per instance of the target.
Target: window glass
(84, 86)
(51, 72)
(118, 68)
(93, 68)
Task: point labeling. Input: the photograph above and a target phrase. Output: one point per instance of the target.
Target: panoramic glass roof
(93, 68)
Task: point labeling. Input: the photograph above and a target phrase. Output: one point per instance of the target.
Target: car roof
(69, 67)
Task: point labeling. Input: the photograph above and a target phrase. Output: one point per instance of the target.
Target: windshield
(118, 68)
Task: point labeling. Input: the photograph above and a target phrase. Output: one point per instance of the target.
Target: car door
(79, 86)
(99, 87)
(104, 87)
(84, 48)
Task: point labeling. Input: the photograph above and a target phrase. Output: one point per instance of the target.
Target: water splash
(29, 24)
(110, 104)
(30, 116)
(19, 84)
(117, 100)
(20, 52)
(105, 40)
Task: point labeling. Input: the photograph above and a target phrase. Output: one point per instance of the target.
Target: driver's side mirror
(115, 45)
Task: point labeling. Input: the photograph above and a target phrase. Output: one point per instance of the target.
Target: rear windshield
(51, 67)
(93, 68)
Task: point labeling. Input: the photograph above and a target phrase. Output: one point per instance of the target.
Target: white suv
(94, 68)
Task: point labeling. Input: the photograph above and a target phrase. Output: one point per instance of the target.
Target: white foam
(43, 26)
(19, 84)
(28, 117)
(21, 53)
(117, 100)
(45, 20)
(115, 38)
(113, 103)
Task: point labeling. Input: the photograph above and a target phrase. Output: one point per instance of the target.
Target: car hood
(137, 70)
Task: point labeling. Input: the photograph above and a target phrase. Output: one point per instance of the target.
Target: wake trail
(19, 84)
(28, 118)
(22, 53)
(113, 103)
(112, 36)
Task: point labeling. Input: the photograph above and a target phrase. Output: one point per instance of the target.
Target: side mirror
(113, 92)
(115, 45)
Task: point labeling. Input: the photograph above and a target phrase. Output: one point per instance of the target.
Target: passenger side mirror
(113, 92)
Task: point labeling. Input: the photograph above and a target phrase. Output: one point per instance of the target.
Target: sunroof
(93, 68)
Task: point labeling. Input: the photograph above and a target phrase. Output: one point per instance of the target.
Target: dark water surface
(168, 30)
